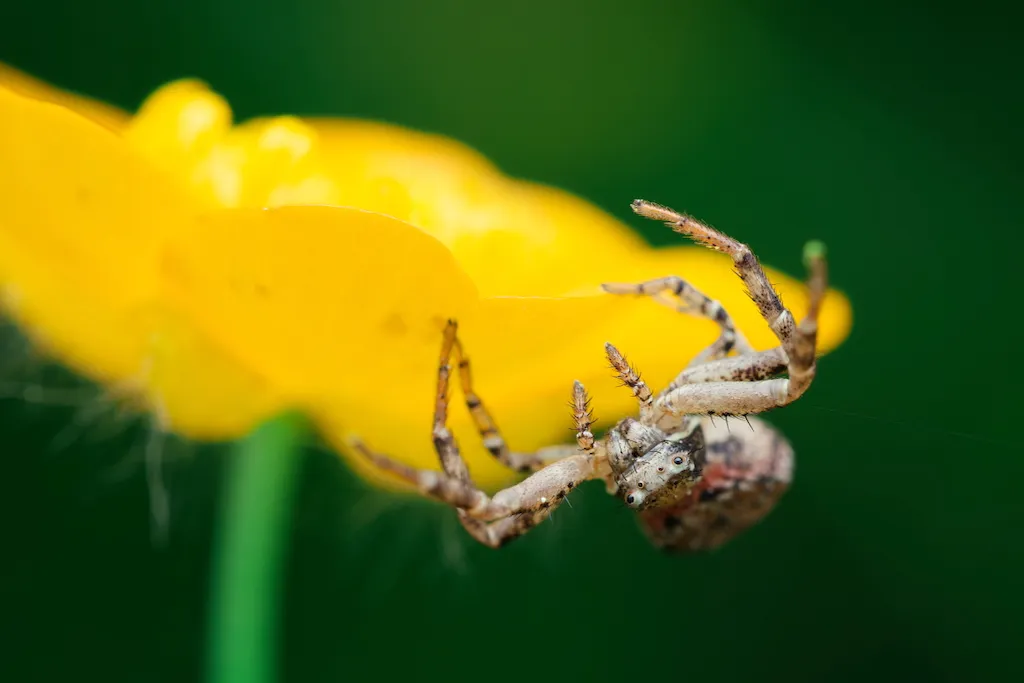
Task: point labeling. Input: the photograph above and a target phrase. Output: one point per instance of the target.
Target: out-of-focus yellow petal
(199, 389)
(28, 86)
(451, 192)
(178, 128)
(81, 223)
(83, 226)
(339, 310)
(313, 297)
(549, 240)
(187, 129)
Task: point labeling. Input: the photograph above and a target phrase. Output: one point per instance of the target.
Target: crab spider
(694, 483)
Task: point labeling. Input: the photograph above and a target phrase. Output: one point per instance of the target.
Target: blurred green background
(891, 132)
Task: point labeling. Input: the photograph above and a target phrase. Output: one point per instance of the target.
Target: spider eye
(678, 460)
(634, 499)
(630, 499)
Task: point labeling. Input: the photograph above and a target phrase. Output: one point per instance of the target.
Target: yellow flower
(221, 273)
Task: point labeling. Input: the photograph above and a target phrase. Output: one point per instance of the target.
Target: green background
(891, 132)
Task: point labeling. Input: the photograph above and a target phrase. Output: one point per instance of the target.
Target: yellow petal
(177, 129)
(28, 86)
(545, 236)
(82, 220)
(309, 295)
(547, 239)
(339, 310)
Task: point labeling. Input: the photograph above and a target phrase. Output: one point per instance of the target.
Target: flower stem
(249, 551)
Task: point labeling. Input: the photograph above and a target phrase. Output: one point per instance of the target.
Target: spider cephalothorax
(694, 483)
(650, 467)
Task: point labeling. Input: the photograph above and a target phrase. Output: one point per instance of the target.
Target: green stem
(248, 554)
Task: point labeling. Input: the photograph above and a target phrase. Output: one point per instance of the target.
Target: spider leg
(694, 302)
(500, 533)
(542, 491)
(582, 418)
(511, 512)
(491, 436)
(546, 487)
(444, 443)
(629, 376)
(760, 365)
(749, 368)
(798, 342)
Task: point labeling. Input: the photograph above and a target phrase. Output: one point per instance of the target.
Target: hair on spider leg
(580, 397)
(670, 217)
(624, 365)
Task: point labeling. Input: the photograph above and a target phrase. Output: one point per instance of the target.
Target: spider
(694, 483)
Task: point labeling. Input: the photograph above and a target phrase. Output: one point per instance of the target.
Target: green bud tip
(814, 251)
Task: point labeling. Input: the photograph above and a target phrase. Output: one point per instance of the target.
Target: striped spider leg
(509, 513)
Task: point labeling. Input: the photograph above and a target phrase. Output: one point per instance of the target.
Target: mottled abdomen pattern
(746, 472)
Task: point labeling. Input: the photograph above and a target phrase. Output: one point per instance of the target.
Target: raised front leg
(760, 365)
(797, 342)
